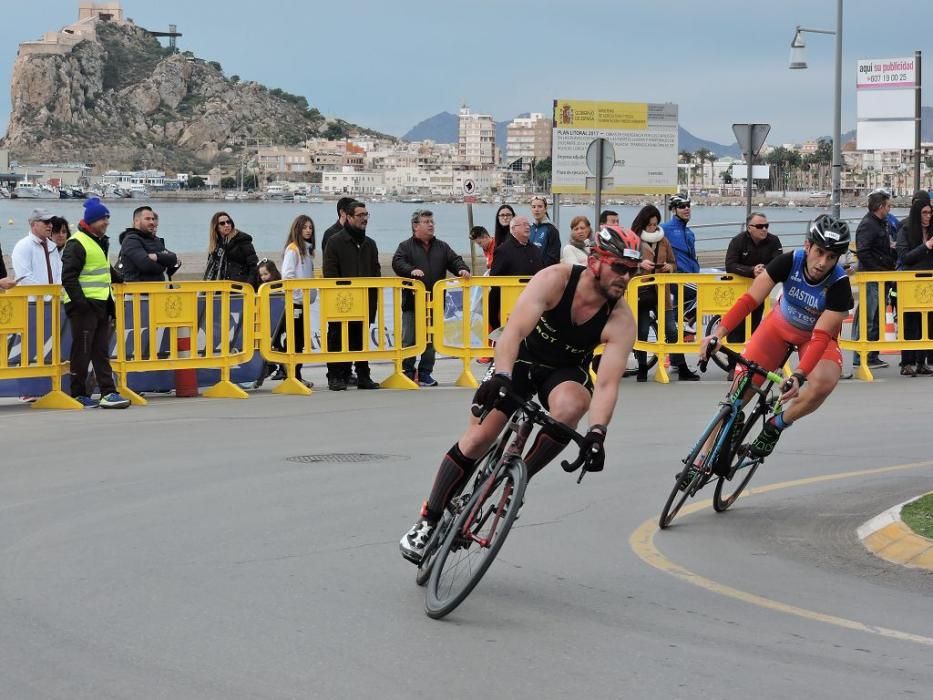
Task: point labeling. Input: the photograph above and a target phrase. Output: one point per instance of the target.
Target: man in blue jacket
(683, 242)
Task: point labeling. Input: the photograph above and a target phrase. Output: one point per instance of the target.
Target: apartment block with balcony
(528, 140)
(477, 139)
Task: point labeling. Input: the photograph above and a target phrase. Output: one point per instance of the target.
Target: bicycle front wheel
(475, 538)
(687, 484)
(729, 489)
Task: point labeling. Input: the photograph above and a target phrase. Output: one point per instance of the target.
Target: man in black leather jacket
(875, 254)
(143, 256)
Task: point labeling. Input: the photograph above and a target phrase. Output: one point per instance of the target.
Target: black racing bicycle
(729, 461)
(475, 524)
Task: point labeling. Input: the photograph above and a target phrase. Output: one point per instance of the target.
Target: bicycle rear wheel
(474, 540)
(729, 489)
(686, 485)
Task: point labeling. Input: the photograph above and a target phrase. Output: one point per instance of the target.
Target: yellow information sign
(585, 114)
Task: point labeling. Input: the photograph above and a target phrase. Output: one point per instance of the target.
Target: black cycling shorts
(529, 378)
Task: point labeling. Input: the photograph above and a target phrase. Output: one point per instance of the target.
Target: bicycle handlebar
(716, 345)
(538, 415)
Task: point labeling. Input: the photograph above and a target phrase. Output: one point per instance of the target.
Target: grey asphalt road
(174, 551)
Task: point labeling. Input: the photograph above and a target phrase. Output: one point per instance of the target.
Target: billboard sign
(885, 103)
(643, 136)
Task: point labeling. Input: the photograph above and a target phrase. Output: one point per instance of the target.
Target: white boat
(4, 192)
(27, 190)
(138, 192)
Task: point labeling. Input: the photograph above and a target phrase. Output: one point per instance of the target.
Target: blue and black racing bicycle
(729, 461)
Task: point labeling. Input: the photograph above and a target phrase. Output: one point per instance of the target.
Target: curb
(887, 537)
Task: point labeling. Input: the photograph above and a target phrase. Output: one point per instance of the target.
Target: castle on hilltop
(89, 14)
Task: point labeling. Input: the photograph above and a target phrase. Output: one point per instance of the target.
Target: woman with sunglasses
(657, 258)
(748, 255)
(230, 252)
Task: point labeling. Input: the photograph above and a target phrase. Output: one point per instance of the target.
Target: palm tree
(701, 155)
(686, 157)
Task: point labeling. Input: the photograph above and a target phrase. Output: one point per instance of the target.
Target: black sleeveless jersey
(556, 341)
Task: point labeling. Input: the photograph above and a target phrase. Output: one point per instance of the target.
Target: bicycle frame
(764, 405)
(521, 425)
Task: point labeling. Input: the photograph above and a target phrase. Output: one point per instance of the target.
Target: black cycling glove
(490, 391)
(592, 447)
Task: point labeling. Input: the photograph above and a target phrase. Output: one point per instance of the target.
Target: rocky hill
(123, 101)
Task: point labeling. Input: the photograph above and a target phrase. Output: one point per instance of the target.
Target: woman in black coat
(915, 252)
(230, 252)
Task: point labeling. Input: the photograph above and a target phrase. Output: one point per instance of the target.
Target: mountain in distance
(445, 128)
(688, 142)
(926, 128)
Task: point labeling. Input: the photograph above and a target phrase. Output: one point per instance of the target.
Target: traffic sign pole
(751, 138)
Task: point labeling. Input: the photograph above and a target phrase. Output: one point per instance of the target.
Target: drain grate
(339, 457)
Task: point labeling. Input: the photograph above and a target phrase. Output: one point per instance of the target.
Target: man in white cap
(35, 257)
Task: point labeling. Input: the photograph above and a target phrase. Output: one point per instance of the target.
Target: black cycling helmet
(678, 200)
(614, 243)
(829, 233)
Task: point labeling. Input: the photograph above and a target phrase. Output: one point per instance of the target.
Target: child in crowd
(268, 272)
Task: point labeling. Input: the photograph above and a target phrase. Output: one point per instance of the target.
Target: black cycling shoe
(765, 442)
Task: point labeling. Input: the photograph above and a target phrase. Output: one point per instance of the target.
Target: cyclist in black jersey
(546, 347)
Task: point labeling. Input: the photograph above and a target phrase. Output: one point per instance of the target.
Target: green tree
(785, 163)
(543, 172)
(195, 182)
(686, 157)
(228, 183)
(702, 154)
(334, 132)
(249, 182)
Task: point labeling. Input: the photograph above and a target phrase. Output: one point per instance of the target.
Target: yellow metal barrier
(341, 302)
(473, 322)
(23, 313)
(914, 295)
(152, 315)
(715, 295)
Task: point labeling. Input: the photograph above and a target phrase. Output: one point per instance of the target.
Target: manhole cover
(339, 457)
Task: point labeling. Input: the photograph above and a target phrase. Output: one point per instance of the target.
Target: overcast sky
(389, 64)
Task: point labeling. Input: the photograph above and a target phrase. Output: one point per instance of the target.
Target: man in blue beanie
(86, 277)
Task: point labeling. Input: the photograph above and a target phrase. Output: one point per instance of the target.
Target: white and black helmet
(678, 201)
(829, 233)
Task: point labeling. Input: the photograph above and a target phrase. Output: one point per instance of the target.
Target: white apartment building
(477, 142)
(355, 182)
(528, 139)
(154, 178)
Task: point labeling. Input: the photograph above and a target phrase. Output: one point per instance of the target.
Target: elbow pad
(742, 308)
(819, 341)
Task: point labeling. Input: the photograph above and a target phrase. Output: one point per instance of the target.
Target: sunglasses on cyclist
(622, 268)
(759, 226)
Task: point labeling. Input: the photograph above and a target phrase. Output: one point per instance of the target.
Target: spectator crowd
(51, 253)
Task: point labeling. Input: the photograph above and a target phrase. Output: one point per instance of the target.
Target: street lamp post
(797, 62)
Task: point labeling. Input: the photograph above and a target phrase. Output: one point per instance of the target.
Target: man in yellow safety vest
(86, 277)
